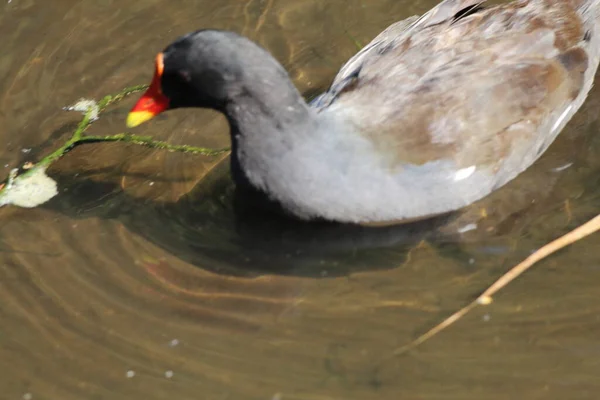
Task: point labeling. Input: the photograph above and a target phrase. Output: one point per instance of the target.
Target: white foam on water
(29, 190)
(83, 105)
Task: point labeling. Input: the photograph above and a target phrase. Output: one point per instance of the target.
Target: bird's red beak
(152, 102)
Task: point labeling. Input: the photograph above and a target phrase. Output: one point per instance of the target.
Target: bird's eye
(185, 75)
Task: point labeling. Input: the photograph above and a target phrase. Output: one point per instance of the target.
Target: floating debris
(168, 374)
(85, 105)
(467, 228)
(27, 396)
(130, 374)
(29, 189)
(173, 343)
(562, 167)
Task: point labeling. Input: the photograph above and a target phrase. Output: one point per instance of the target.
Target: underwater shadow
(228, 231)
(219, 228)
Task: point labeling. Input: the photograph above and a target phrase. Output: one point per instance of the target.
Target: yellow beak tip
(137, 118)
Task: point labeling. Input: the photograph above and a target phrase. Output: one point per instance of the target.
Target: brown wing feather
(474, 90)
(446, 11)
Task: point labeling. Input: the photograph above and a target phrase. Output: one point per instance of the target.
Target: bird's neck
(267, 122)
(271, 107)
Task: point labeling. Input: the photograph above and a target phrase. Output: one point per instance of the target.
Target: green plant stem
(149, 142)
(78, 137)
(115, 98)
(356, 42)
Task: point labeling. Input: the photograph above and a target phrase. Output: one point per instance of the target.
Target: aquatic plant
(29, 186)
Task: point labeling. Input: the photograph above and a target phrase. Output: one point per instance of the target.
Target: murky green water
(143, 281)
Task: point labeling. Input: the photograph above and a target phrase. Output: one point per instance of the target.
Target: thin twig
(485, 298)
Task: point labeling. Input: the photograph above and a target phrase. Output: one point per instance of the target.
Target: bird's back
(467, 93)
(473, 88)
